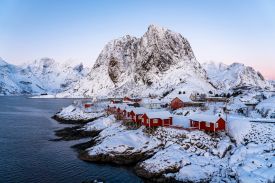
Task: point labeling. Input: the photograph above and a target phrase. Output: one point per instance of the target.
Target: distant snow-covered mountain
(227, 77)
(41, 76)
(14, 80)
(272, 82)
(56, 77)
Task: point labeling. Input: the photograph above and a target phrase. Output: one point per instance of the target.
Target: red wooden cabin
(208, 123)
(121, 108)
(116, 101)
(111, 108)
(160, 118)
(88, 105)
(127, 99)
(136, 114)
(178, 102)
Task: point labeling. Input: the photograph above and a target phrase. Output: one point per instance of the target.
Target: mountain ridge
(160, 62)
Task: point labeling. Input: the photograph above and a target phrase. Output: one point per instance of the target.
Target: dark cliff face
(159, 49)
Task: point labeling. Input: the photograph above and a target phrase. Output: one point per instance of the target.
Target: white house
(151, 103)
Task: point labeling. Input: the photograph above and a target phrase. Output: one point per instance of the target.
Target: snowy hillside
(156, 63)
(41, 76)
(272, 82)
(234, 75)
(14, 80)
(55, 76)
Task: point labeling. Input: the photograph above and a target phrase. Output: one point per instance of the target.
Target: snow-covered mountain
(14, 80)
(41, 76)
(160, 61)
(226, 77)
(56, 77)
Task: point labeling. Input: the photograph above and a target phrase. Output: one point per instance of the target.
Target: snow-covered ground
(100, 123)
(77, 113)
(267, 107)
(254, 160)
(117, 141)
(243, 153)
(193, 155)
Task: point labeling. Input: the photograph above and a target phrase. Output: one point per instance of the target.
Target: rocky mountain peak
(156, 30)
(2, 62)
(150, 61)
(45, 62)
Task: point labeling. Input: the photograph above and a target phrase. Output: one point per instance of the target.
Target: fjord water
(28, 155)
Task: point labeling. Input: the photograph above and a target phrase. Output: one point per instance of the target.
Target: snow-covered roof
(206, 117)
(213, 97)
(181, 120)
(112, 105)
(184, 98)
(121, 106)
(140, 110)
(151, 101)
(124, 106)
(159, 114)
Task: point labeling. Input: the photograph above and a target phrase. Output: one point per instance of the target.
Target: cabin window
(216, 125)
(147, 120)
(207, 124)
(155, 121)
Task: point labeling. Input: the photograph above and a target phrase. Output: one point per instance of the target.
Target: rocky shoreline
(72, 121)
(119, 159)
(132, 159)
(74, 133)
(122, 159)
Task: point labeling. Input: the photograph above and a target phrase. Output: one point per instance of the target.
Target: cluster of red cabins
(208, 123)
(149, 118)
(140, 115)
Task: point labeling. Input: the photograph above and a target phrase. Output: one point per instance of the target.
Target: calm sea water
(27, 155)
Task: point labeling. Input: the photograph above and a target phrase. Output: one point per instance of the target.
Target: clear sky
(219, 30)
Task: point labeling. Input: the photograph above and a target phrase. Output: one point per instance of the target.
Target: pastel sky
(222, 31)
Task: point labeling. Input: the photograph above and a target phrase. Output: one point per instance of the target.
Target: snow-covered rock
(187, 156)
(76, 113)
(118, 145)
(100, 123)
